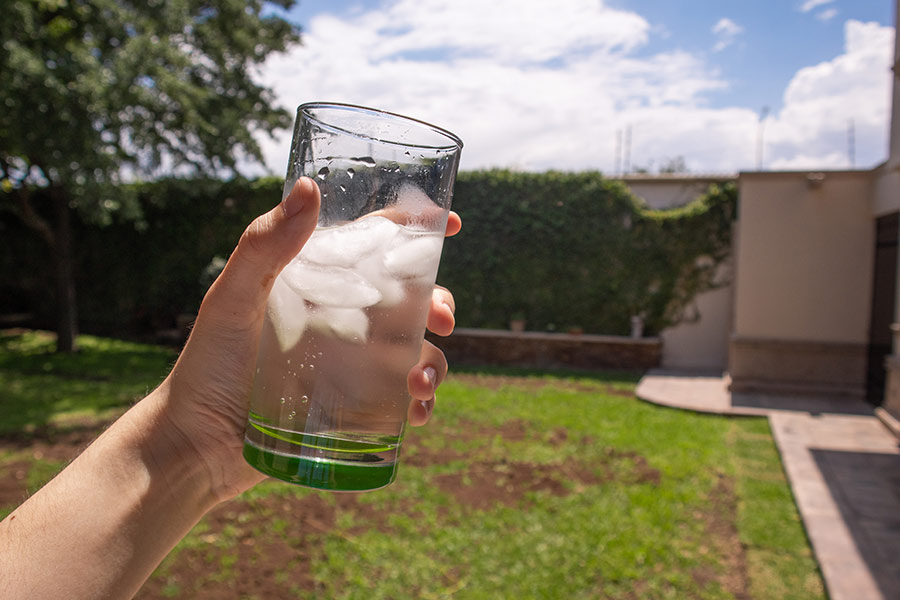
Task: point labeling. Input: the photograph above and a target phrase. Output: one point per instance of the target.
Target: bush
(559, 249)
(576, 250)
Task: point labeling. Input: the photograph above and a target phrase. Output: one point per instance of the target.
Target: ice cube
(348, 244)
(288, 314)
(349, 324)
(414, 257)
(415, 209)
(392, 290)
(412, 200)
(336, 287)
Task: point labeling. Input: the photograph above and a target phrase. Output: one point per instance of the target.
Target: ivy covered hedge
(136, 277)
(575, 250)
(561, 250)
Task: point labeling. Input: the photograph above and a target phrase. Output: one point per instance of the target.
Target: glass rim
(307, 107)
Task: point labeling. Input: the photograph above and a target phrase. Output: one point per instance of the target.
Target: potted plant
(517, 322)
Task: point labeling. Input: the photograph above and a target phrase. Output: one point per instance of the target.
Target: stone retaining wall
(489, 347)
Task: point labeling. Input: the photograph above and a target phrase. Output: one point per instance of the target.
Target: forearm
(101, 526)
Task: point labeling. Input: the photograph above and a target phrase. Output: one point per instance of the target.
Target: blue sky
(532, 88)
(777, 38)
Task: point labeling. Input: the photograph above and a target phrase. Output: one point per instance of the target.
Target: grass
(524, 485)
(42, 388)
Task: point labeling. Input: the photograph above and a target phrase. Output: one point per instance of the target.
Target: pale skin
(100, 527)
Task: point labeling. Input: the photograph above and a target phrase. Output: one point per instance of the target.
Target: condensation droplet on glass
(283, 400)
(319, 355)
(293, 414)
(288, 361)
(323, 172)
(343, 189)
(351, 173)
(304, 399)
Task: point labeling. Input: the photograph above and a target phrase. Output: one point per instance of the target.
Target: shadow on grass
(41, 390)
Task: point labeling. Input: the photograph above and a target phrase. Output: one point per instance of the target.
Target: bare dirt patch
(13, 489)
(536, 384)
(266, 547)
(719, 519)
(489, 484)
(51, 443)
(46, 444)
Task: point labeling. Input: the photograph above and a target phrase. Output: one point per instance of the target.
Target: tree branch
(31, 219)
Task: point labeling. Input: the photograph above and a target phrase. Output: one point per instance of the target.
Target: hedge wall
(136, 277)
(561, 250)
(575, 250)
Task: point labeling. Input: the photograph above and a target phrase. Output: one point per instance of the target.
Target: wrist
(174, 463)
(197, 438)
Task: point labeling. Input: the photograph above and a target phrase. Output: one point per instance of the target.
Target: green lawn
(524, 485)
(43, 389)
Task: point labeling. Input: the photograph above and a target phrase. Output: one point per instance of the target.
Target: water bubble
(323, 172)
(351, 173)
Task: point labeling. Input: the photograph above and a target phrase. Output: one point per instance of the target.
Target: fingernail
(296, 199)
(431, 374)
(427, 406)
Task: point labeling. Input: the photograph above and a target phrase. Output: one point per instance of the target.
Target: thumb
(266, 246)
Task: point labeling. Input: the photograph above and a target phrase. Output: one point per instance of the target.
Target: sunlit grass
(625, 500)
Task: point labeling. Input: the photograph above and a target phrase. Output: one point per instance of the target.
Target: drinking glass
(345, 320)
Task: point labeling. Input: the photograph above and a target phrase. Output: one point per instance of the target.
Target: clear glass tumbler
(346, 318)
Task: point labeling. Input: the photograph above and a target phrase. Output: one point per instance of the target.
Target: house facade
(813, 301)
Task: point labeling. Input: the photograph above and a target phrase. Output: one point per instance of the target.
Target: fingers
(454, 224)
(441, 320)
(265, 247)
(422, 381)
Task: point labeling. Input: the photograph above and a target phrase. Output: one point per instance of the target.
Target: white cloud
(827, 14)
(811, 4)
(551, 88)
(821, 101)
(725, 31)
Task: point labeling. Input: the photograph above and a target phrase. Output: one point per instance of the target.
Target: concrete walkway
(843, 465)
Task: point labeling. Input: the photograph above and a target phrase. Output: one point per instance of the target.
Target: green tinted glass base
(331, 475)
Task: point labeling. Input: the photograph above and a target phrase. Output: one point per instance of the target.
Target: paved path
(843, 465)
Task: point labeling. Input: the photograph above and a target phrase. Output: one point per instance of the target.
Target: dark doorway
(883, 301)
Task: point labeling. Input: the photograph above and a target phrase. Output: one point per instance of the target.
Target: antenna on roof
(851, 143)
(760, 127)
(618, 166)
(627, 166)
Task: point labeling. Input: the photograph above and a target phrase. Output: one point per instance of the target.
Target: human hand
(206, 396)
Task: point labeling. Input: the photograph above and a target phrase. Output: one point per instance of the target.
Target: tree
(94, 92)
(673, 166)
